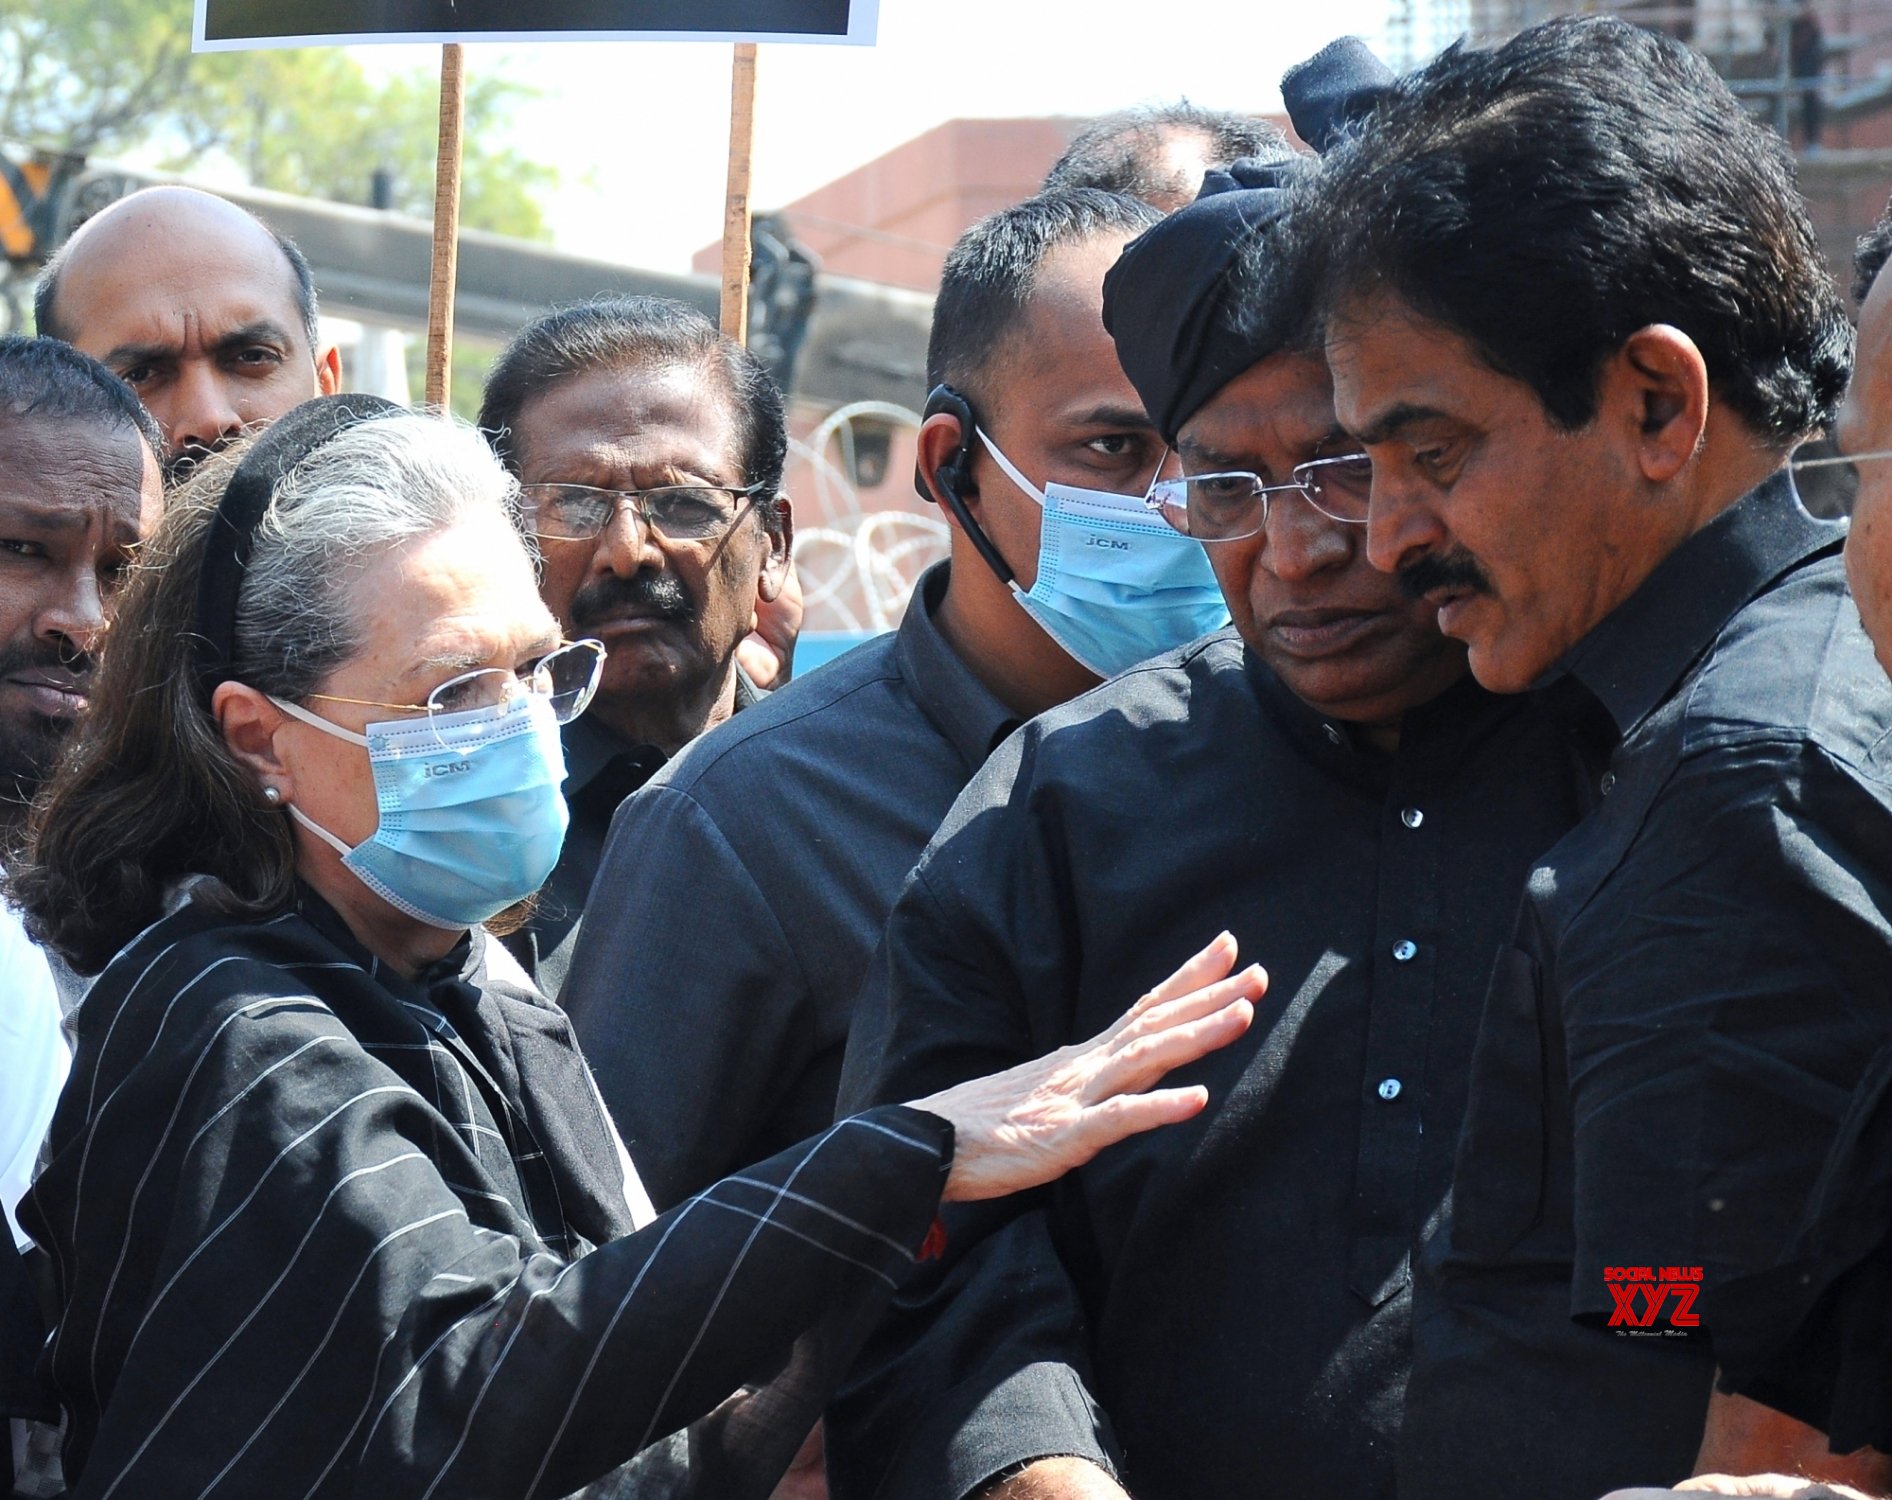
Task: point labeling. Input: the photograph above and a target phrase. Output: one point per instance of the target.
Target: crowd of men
(1388, 554)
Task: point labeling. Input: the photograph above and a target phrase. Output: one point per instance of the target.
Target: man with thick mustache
(1578, 319)
(79, 488)
(651, 451)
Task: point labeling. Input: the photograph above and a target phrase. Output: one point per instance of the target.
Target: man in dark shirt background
(743, 891)
(1225, 1312)
(1578, 319)
(651, 450)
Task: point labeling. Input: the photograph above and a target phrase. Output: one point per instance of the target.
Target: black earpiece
(954, 477)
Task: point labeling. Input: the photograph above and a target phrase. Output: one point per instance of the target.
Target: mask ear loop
(320, 832)
(1011, 469)
(316, 721)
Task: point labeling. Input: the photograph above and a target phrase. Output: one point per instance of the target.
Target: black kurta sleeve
(287, 1272)
(983, 1361)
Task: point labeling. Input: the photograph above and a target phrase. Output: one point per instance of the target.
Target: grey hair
(373, 486)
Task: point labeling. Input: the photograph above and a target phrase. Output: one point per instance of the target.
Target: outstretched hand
(1033, 1123)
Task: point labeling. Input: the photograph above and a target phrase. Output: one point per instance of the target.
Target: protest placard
(228, 25)
(234, 25)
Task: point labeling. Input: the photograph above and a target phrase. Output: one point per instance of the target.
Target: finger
(1140, 1064)
(1211, 964)
(1250, 984)
(1131, 1114)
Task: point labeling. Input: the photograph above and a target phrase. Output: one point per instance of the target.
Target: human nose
(1300, 540)
(74, 616)
(199, 412)
(1400, 526)
(628, 542)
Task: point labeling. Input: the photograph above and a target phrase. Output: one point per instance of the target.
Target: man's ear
(328, 371)
(941, 446)
(248, 722)
(1658, 380)
(781, 543)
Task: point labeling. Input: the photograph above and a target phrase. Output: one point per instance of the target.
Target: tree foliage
(109, 77)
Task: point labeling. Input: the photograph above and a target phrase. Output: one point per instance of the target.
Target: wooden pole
(735, 305)
(446, 264)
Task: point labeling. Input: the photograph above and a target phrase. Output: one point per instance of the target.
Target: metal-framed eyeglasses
(677, 512)
(567, 678)
(1226, 507)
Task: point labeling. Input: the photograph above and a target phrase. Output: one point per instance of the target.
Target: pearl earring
(271, 795)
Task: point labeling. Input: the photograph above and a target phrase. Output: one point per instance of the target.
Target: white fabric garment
(33, 1061)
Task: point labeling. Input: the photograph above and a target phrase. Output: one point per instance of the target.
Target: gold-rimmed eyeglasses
(566, 677)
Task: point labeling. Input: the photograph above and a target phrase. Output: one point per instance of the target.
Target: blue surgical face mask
(1116, 583)
(471, 817)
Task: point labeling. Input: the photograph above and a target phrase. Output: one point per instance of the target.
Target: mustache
(181, 463)
(35, 655)
(659, 594)
(1450, 570)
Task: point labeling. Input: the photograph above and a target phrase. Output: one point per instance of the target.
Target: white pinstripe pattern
(237, 1332)
(413, 1373)
(604, 1337)
(93, 1119)
(334, 1323)
(806, 1239)
(242, 1012)
(821, 1208)
(250, 1197)
(729, 1278)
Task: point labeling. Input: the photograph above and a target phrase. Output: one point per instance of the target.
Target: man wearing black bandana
(1225, 1313)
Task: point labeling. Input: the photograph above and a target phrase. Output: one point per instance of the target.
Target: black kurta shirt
(320, 1230)
(601, 770)
(1218, 1308)
(1701, 972)
(745, 888)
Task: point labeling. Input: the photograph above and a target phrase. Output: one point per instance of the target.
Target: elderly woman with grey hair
(332, 1205)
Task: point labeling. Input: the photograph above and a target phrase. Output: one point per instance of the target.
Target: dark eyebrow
(1335, 436)
(138, 354)
(43, 517)
(1203, 453)
(1396, 419)
(1115, 416)
(263, 331)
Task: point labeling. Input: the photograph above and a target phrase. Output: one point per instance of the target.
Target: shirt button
(1389, 1088)
(1404, 949)
(1412, 817)
(1609, 782)
(1333, 734)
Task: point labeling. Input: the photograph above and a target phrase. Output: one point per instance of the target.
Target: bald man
(203, 309)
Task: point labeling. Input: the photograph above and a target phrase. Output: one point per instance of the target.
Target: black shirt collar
(1342, 748)
(957, 704)
(1633, 659)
